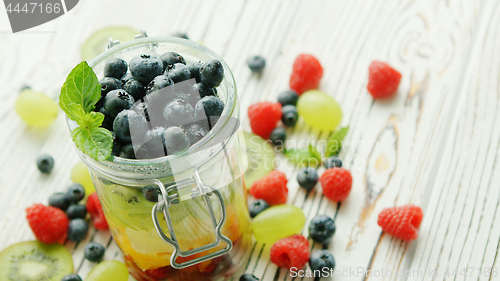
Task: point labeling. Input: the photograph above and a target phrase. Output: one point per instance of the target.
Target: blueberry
(179, 95)
(116, 101)
(127, 151)
(175, 140)
(178, 112)
(178, 72)
(278, 136)
(159, 82)
(256, 64)
(248, 277)
(180, 35)
(151, 193)
(195, 132)
(71, 277)
(211, 73)
(153, 146)
(289, 97)
(170, 58)
(108, 84)
(76, 211)
(154, 138)
(75, 192)
(209, 108)
(126, 77)
(289, 115)
(145, 68)
(45, 163)
(307, 178)
(332, 162)
(129, 125)
(135, 88)
(117, 146)
(322, 228)
(320, 260)
(194, 69)
(201, 91)
(77, 230)
(59, 200)
(115, 68)
(256, 207)
(108, 119)
(142, 152)
(142, 109)
(94, 251)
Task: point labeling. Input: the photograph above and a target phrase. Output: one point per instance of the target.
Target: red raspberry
(263, 117)
(49, 224)
(291, 252)
(271, 188)
(94, 208)
(306, 73)
(401, 222)
(383, 80)
(336, 183)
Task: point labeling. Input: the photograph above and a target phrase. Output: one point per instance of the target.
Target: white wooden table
(436, 143)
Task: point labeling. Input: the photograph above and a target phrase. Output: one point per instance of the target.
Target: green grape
(108, 270)
(278, 222)
(80, 174)
(319, 110)
(36, 108)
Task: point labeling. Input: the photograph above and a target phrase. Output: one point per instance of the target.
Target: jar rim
(229, 109)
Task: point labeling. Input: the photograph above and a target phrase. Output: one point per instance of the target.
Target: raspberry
(383, 80)
(291, 252)
(401, 222)
(306, 73)
(271, 188)
(336, 183)
(263, 117)
(94, 208)
(49, 224)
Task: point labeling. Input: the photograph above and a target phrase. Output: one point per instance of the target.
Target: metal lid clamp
(163, 206)
(112, 43)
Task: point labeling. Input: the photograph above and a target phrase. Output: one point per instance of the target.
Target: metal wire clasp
(164, 205)
(112, 43)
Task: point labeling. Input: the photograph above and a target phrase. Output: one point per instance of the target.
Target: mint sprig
(78, 97)
(334, 142)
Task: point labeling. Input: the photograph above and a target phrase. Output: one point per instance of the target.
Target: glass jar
(200, 227)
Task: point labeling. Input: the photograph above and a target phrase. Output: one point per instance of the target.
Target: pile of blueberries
(157, 106)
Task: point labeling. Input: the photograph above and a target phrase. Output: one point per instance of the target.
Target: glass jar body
(218, 160)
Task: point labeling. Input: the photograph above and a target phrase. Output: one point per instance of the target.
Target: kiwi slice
(36, 261)
(128, 207)
(260, 155)
(98, 40)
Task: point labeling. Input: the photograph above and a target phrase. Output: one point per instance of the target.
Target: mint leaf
(334, 142)
(78, 97)
(80, 92)
(314, 152)
(302, 156)
(96, 142)
(91, 120)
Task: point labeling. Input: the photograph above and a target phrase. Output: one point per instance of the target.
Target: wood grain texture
(435, 144)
